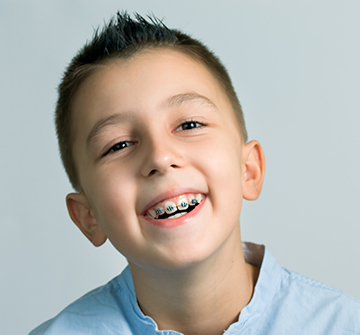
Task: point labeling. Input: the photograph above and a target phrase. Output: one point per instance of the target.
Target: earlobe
(81, 214)
(254, 170)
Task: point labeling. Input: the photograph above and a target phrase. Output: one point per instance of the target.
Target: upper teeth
(182, 203)
(159, 210)
(170, 206)
(192, 200)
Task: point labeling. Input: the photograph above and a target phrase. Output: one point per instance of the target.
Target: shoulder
(314, 306)
(102, 307)
(315, 293)
(285, 302)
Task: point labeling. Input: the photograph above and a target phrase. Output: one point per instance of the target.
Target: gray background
(295, 66)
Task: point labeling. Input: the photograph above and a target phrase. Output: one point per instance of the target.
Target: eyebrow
(103, 123)
(172, 102)
(191, 97)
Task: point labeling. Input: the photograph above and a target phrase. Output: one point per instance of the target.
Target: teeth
(199, 197)
(159, 210)
(192, 200)
(182, 203)
(177, 215)
(152, 213)
(170, 207)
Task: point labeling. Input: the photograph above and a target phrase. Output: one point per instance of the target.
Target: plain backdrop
(295, 66)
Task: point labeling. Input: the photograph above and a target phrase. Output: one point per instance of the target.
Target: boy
(153, 139)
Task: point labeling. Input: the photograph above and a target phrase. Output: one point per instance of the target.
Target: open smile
(175, 210)
(175, 207)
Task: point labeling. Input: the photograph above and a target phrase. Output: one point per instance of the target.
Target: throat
(202, 299)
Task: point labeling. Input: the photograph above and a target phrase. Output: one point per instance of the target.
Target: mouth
(176, 207)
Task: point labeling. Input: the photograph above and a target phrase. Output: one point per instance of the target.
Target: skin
(153, 127)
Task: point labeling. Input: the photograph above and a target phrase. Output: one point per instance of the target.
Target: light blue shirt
(283, 302)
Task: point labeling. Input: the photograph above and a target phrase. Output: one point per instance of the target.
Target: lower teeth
(177, 215)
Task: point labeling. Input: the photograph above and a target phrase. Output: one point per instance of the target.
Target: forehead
(141, 85)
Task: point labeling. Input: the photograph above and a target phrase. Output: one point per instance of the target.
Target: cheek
(116, 216)
(221, 161)
(112, 195)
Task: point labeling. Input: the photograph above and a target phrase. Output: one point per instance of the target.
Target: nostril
(152, 172)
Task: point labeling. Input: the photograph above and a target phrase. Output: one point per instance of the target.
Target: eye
(119, 146)
(188, 125)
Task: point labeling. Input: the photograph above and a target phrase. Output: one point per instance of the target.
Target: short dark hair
(123, 37)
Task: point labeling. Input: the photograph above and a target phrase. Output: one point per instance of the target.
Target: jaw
(187, 248)
(187, 241)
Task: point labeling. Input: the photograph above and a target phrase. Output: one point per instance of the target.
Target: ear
(254, 170)
(80, 212)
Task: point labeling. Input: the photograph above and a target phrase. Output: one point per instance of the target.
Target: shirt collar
(267, 283)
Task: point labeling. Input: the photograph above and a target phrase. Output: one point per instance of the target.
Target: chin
(184, 257)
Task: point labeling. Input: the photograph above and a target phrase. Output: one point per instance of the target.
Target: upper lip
(169, 194)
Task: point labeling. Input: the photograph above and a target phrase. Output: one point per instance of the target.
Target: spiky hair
(123, 36)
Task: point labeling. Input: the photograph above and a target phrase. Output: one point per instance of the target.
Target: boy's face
(153, 128)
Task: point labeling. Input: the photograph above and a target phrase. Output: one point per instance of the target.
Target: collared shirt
(283, 302)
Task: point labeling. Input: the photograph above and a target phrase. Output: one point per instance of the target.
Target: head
(122, 38)
(153, 130)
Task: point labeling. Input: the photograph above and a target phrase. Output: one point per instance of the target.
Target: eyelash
(124, 144)
(195, 124)
(119, 146)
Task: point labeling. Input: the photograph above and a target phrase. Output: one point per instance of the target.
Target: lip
(170, 223)
(169, 194)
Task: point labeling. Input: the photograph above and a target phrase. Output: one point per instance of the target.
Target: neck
(205, 298)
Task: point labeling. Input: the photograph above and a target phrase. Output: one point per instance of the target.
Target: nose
(160, 155)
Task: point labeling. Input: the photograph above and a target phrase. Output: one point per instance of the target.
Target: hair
(123, 37)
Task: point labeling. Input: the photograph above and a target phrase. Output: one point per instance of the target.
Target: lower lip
(170, 223)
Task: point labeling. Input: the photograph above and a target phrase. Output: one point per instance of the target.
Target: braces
(165, 215)
(170, 209)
